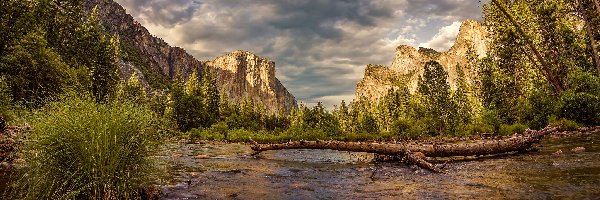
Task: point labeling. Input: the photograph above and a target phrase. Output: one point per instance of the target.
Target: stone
(578, 150)
(557, 153)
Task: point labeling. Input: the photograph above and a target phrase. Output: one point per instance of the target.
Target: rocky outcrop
(246, 76)
(241, 74)
(407, 67)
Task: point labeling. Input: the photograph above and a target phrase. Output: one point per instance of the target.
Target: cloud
(320, 47)
(444, 39)
(445, 9)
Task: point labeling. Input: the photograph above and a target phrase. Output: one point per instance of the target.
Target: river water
(230, 172)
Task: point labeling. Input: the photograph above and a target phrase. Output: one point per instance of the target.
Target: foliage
(439, 107)
(49, 45)
(564, 124)
(512, 129)
(132, 90)
(209, 94)
(34, 71)
(79, 149)
(5, 96)
(580, 107)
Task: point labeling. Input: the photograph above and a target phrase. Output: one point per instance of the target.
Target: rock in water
(578, 150)
(558, 153)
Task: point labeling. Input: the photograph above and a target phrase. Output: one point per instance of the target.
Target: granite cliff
(408, 63)
(241, 75)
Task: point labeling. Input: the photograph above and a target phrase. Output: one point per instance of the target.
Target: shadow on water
(226, 171)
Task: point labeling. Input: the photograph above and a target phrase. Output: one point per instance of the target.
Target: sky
(320, 47)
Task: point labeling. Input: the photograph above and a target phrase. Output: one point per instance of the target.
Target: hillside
(241, 74)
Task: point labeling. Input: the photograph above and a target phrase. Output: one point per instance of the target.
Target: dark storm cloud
(320, 46)
(446, 9)
(163, 12)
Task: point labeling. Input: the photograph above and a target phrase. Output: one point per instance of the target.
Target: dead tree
(415, 153)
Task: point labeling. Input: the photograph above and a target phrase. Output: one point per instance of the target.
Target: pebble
(558, 153)
(578, 150)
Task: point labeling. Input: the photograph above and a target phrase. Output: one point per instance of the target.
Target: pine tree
(461, 99)
(132, 90)
(436, 93)
(34, 71)
(210, 97)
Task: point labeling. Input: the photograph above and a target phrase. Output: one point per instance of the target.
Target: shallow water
(231, 173)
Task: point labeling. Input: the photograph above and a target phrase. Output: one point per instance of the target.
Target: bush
(82, 150)
(580, 107)
(492, 119)
(511, 129)
(542, 105)
(564, 124)
(405, 129)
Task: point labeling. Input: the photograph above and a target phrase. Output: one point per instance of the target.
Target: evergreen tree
(132, 90)
(461, 99)
(34, 71)
(210, 98)
(342, 115)
(436, 92)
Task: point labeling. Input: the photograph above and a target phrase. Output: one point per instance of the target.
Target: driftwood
(415, 153)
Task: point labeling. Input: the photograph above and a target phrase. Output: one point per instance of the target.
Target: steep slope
(408, 64)
(158, 62)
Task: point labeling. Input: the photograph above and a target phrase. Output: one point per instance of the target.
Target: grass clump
(506, 129)
(564, 124)
(79, 149)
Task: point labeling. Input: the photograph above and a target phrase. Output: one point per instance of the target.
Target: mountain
(240, 74)
(407, 67)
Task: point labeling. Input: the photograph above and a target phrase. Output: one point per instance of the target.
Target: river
(227, 171)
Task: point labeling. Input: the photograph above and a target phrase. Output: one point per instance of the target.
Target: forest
(83, 131)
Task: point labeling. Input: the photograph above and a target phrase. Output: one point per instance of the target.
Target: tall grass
(82, 150)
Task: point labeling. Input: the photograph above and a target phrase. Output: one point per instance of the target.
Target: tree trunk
(487, 147)
(556, 84)
(590, 33)
(415, 153)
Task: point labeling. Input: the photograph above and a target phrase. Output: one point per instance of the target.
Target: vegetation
(99, 145)
(79, 149)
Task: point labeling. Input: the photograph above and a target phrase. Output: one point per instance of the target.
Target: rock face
(246, 76)
(241, 74)
(407, 67)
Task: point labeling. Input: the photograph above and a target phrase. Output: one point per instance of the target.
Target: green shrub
(580, 107)
(511, 129)
(406, 129)
(78, 149)
(564, 124)
(492, 119)
(542, 105)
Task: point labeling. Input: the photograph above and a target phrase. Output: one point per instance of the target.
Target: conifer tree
(440, 109)
(210, 97)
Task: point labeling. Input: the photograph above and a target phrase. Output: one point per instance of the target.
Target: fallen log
(486, 147)
(408, 151)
